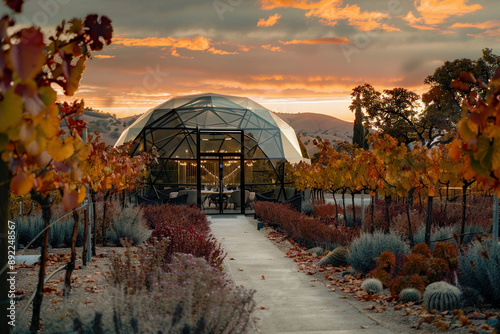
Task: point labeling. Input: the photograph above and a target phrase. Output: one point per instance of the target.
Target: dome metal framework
(214, 141)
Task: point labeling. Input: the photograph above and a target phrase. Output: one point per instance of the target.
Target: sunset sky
(291, 56)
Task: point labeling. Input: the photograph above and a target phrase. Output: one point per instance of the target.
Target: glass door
(221, 171)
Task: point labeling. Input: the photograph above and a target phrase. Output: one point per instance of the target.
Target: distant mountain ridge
(312, 125)
(307, 126)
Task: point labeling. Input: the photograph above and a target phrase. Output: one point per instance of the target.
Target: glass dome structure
(208, 140)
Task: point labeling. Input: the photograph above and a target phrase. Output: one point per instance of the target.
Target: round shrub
(422, 249)
(415, 264)
(386, 261)
(364, 250)
(372, 286)
(448, 252)
(410, 295)
(403, 282)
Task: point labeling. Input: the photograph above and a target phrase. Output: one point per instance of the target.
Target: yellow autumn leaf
(82, 149)
(467, 129)
(81, 194)
(11, 111)
(75, 76)
(48, 95)
(58, 150)
(50, 127)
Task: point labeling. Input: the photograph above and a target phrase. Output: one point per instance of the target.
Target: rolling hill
(311, 125)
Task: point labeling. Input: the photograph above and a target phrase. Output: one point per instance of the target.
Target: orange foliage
(386, 261)
(423, 249)
(448, 252)
(413, 281)
(415, 264)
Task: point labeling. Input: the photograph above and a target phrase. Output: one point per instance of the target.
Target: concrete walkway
(293, 304)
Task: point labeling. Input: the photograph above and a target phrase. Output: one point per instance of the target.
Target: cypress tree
(358, 137)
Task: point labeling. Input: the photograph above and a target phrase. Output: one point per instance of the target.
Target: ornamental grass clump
(364, 250)
(479, 268)
(186, 296)
(60, 234)
(128, 225)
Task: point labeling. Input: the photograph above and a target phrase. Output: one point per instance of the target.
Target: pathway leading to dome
(287, 300)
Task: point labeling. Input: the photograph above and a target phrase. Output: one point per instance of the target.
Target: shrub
(423, 249)
(326, 211)
(60, 233)
(365, 249)
(382, 275)
(337, 258)
(183, 216)
(479, 268)
(307, 231)
(386, 261)
(448, 233)
(372, 286)
(190, 242)
(128, 225)
(415, 264)
(403, 282)
(189, 297)
(447, 252)
(410, 295)
(442, 296)
(437, 270)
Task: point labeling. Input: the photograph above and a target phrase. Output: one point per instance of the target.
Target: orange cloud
(480, 25)
(434, 12)
(491, 27)
(220, 52)
(198, 43)
(103, 56)
(331, 11)
(272, 20)
(323, 40)
(273, 48)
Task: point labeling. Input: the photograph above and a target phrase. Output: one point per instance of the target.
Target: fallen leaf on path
(240, 269)
(231, 258)
(262, 307)
(365, 327)
(443, 324)
(263, 277)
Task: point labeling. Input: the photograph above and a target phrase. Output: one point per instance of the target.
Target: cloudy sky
(291, 56)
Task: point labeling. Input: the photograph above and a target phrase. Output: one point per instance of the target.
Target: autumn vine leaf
(36, 155)
(479, 131)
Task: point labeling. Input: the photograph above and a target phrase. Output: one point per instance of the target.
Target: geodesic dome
(214, 141)
(163, 127)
